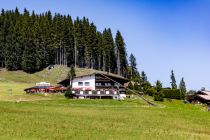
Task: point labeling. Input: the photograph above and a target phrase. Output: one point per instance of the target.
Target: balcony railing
(96, 92)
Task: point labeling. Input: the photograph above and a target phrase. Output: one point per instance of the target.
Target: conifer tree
(133, 65)
(121, 54)
(182, 87)
(158, 86)
(99, 51)
(143, 77)
(173, 80)
(109, 60)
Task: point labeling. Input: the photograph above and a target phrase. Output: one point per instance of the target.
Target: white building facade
(97, 85)
(84, 82)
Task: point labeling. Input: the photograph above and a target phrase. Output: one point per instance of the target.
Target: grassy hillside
(54, 117)
(53, 76)
(102, 119)
(13, 83)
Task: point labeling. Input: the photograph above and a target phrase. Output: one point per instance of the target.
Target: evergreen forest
(31, 42)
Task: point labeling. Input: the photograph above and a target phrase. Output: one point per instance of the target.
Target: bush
(158, 96)
(68, 93)
(151, 91)
(172, 94)
(136, 87)
(129, 92)
(130, 85)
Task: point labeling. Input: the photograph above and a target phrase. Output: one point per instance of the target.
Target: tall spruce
(99, 51)
(133, 64)
(109, 61)
(143, 77)
(121, 54)
(173, 80)
(182, 87)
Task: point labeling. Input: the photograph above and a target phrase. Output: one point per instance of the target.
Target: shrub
(68, 93)
(151, 91)
(129, 92)
(158, 96)
(172, 94)
(136, 87)
(145, 86)
(130, 85)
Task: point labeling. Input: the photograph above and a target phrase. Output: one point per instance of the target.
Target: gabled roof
(204, 92)
(103, 73)
(205, 97)
(111, 75)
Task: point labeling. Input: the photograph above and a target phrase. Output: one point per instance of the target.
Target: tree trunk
(118, 63)
(104, 63)
(99, 62)
(60, 56)
(57, 56)
(91, 61)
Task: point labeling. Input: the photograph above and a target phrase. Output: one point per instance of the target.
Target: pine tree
(158, 86)
(158, 96)
(143, 77)
(173, 80)
(182, 87)
(133, 65)
(109, 59)
(71, 75)
(121, 54)
(99, 51)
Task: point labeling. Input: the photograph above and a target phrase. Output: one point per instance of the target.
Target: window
(98, 84)
(80, 83)
(107, 92)
(107, 84)
(87, 83)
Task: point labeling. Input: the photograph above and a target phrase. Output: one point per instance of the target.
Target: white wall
(90, 78)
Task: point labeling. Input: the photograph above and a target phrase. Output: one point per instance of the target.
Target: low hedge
(172, 94)
(151, 91)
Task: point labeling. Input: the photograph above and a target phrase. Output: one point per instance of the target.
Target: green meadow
(61, 118)
(54, 117)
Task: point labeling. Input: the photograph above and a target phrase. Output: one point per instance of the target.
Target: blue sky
(162, 34)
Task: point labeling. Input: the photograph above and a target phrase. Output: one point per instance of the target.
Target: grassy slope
(53, 76)
(102, 119)
(59, 118)
(14, 82)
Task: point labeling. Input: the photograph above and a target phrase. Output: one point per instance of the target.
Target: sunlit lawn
(102, 119)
